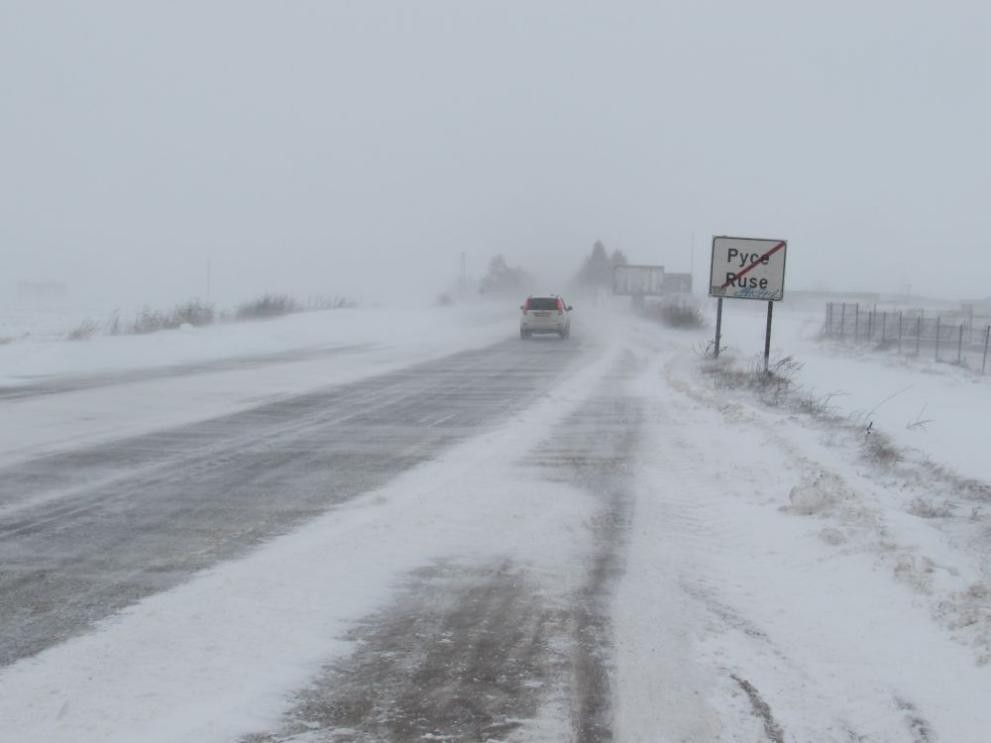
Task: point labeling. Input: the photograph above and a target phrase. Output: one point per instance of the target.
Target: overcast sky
(360, 147)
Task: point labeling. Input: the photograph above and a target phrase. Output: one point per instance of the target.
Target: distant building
(677, 283)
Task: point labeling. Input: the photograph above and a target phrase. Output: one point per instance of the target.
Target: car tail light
(560, 306)
(526, 305)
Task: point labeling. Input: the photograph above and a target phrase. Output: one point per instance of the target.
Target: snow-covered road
(530, 541)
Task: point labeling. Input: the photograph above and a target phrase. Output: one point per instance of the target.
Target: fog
(359, 148)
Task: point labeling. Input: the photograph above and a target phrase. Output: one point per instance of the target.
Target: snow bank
(777, 587)
(320, 349)
(32, 360)
(935, 408)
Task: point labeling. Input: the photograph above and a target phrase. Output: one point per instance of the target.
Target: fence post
(843, 320)
(884, 326)
(987, 337)
(938, 318)
(856, 323)
(918, 333)
(899, 333)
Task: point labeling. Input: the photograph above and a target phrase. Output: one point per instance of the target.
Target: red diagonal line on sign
(753, 265)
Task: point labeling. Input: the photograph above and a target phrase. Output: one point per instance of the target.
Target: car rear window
(542, 303)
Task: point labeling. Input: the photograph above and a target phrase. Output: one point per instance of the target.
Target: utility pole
(691, 264)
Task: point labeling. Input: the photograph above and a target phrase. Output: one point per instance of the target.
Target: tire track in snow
(858, 515)
(459, 656)
(474, 653)
(917, 724)
(762, 711)
(595, 452)
(63, 385)
(87, 533)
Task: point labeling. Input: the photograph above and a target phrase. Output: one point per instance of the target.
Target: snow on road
(29, 361)
(62, 395)
(680, 561)
(215, 658)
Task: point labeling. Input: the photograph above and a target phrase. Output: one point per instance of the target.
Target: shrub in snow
(816, 495)
(927, 509)
(86, 330)
(268, 305)
(878, 448)
(193, 313)
(329, 302)
(148, 321)
(676, 314)
(774, 387)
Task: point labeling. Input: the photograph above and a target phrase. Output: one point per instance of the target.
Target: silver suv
(545, 315)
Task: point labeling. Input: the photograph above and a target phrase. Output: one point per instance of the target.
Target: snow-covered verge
(791, 578)
(782, 588)
(34, 360)
(929, 406)
(203, 373)
(20, 322)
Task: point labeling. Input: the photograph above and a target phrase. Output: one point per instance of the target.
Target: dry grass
(267, 306)
(84, 331)
(195, 313)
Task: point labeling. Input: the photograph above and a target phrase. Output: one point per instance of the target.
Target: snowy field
(124, 385)
(44, 355)
(699, 566)
(921, 404)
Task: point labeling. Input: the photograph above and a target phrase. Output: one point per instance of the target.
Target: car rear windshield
(541, 303)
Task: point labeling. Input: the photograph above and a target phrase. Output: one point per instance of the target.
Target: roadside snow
(335, 347)
(783, 586)
(32, 361)
(933, 407)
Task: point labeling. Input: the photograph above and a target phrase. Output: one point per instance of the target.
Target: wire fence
(953, 339)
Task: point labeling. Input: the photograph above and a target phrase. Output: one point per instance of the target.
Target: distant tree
(598, 267)
(618, 258)
(502, 278)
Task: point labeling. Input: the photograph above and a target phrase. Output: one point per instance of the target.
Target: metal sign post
(767, 338)
(747, 268)
(719, 324)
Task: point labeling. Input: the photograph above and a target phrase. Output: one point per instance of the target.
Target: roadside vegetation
(266, 306)
(777, 388)
(85, 330)
(198, 314)
(677, 312)
(195, 313)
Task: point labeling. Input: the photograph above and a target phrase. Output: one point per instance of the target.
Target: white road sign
(644, 281)
(748, 268)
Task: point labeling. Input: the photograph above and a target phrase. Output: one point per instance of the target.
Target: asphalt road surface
(471, 653)
(87, 532)
(461, 650)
